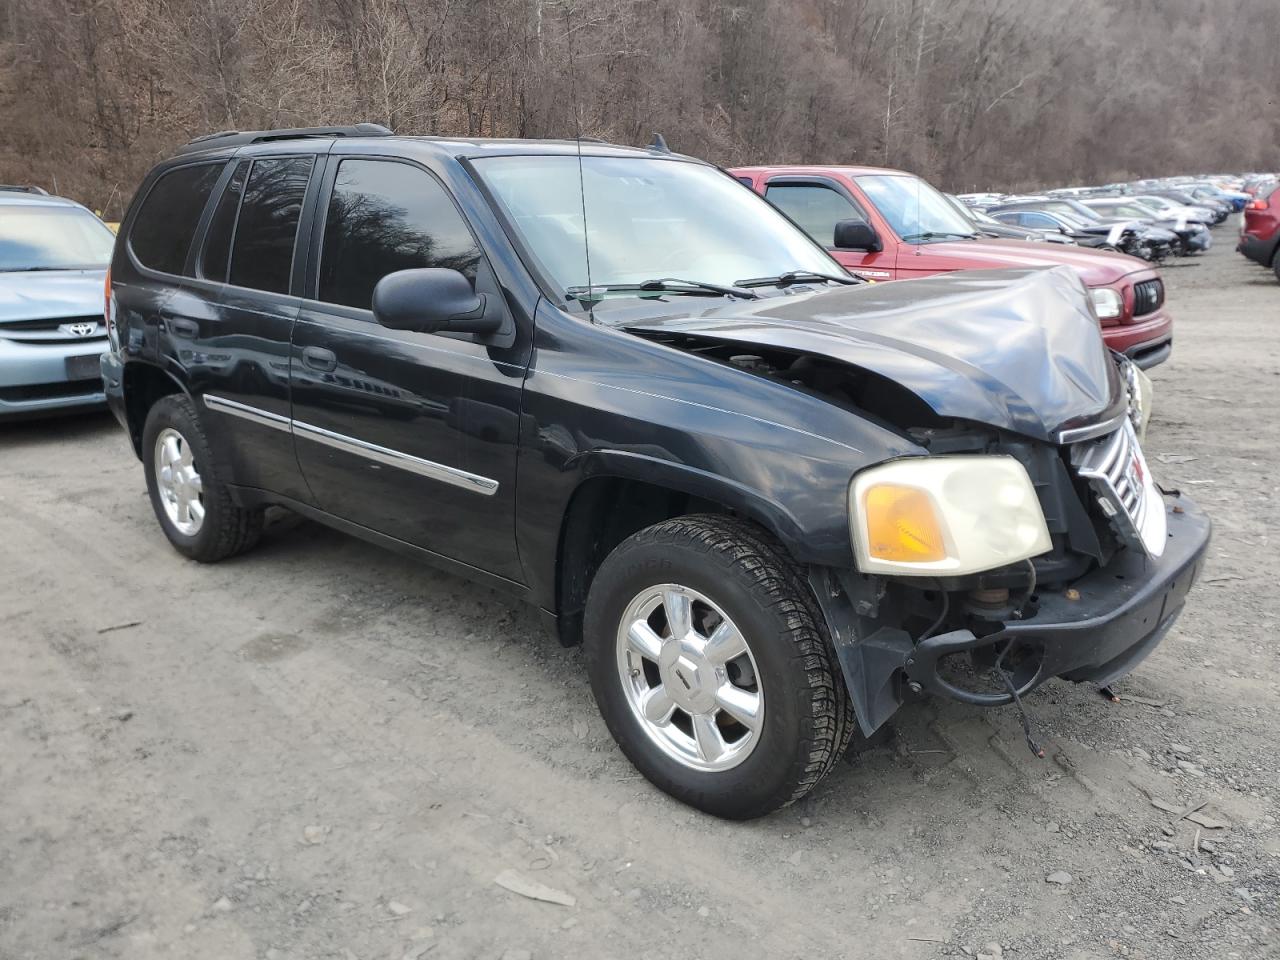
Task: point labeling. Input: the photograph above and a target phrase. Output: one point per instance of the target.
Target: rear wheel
(194, 507)
(1275, 263)
(711, 668)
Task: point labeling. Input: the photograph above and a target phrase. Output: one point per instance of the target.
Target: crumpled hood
(1016, 349)
(42, 295)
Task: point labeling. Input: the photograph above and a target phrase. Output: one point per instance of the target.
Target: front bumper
(1097, 632)
(1147, 342)
(43, 378)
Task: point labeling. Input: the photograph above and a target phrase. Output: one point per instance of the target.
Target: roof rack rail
(239, 138)
(11, 188)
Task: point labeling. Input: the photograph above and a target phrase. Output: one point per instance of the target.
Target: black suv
(772, 503)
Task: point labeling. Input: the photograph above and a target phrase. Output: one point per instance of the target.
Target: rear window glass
(262, 252)
(162, 231)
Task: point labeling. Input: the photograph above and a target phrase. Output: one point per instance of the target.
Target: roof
(365, 135)
(19, 199)
(801, 170)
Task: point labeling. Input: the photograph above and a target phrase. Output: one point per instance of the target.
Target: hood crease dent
(1016, 349)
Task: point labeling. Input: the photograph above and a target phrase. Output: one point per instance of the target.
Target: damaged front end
(1003, 365)
(1090, 609)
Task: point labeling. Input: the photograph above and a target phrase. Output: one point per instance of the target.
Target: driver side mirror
(856, 235)
(433, 300)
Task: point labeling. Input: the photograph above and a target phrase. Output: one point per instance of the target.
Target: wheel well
(143, 386)
(605, 511)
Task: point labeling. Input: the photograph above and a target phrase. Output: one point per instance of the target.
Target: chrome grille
(1148, 295)
(55, 330)
(1120, 480)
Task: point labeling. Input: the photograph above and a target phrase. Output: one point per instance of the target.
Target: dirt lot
(321, 750)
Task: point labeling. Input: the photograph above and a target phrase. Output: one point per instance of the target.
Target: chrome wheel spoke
(657, 705)
(171, 453)
(679, 612)
(196, 509)
(644, 641)
(725, 643)
(707, 735)
(742, 705)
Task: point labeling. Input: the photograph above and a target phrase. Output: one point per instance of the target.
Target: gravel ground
(322, 750)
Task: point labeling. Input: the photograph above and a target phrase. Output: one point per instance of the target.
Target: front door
(410, 434)
(817, 206)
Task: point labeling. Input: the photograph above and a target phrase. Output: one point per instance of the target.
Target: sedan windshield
(52, 238)
(646, 221)
(915, 210)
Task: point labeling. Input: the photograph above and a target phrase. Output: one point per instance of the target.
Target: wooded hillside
(970, 93)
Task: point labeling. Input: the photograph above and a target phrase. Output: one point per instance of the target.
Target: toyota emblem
(82, 329)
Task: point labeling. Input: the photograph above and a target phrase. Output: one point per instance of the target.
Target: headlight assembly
(930, 516)
(1107, 303)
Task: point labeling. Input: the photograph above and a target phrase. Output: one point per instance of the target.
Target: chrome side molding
(245, 412)
(484, 486)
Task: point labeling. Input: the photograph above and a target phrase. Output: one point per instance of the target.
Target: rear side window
(385, 216)
(816, 209)
(162, 231)
(216, 256)
(262, 250)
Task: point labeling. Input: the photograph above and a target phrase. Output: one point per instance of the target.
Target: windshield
(646, 219)
(1159, 204)
(52, 238)
(915, 210)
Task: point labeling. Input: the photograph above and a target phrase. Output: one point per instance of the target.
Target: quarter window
(262, 251)
(216, 255)
(815, 208)
(383, 217)
(166, 223)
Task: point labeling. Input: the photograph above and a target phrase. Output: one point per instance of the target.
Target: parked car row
(772, 500)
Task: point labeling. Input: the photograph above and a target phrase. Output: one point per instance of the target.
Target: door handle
(180, 327)
(318, 358)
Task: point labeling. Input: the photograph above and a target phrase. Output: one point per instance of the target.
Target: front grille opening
(1148, 296)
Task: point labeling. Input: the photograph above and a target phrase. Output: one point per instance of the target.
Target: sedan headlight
(926, 516)
(1107, 303)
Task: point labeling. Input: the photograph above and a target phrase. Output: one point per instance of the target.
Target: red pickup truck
(891, 225)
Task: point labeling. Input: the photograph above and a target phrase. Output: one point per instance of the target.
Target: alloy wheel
(178, 481)
(689, 677)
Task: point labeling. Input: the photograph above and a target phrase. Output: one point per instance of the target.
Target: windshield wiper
(938, 235)
(797, 276)
(681, 288)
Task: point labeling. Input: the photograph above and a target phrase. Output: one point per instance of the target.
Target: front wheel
(711, 668)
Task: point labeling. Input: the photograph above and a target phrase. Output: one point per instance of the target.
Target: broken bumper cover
(1098, 631)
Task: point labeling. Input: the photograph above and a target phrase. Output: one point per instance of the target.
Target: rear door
(817, 204)
(410, 434)
(237, 345)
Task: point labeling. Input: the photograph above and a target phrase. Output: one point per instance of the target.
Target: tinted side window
(816, 209)
(262, 252)
(216, 255)
(162, 232)
(385, 216)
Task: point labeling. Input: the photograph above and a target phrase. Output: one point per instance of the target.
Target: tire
(222, 529)
(735, 570)
(1275, 263)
